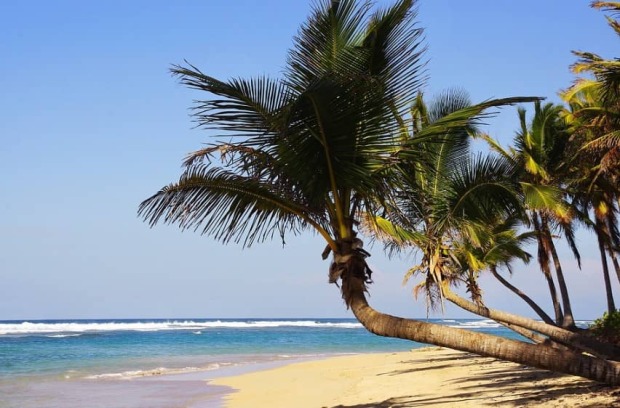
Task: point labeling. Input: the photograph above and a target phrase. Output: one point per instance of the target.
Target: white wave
(84, 327)
(128, 375)
(477, 324)
(60, 336)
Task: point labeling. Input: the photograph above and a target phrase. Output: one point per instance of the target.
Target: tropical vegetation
(345, 144)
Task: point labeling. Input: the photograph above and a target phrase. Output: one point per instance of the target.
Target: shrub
(608, 326)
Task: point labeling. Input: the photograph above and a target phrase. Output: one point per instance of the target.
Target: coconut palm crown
(312, 149)
(307, 150)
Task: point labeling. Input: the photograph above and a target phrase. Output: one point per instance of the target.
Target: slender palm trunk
(611, 307)
(528, 334)
(613, 241)
(539, 356)
(539, 311)
(614, 260)
(567, 319)
(543, 261)
(554, 333)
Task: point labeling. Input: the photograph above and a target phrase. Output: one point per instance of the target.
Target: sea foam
(145, 326)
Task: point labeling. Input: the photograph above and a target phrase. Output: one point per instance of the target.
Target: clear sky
(92, 123)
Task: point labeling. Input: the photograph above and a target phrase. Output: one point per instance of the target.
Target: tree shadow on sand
(514, 386)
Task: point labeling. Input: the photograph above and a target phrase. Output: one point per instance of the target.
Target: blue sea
(153, 363)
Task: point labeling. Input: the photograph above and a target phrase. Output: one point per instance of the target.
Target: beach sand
(428, 377)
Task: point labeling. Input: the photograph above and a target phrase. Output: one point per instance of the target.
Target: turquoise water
(57, 363)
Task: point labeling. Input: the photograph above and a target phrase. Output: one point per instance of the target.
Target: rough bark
(539, 311)
(539, 356)
(554, 333)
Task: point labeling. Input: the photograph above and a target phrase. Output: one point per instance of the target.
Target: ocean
(163, 363)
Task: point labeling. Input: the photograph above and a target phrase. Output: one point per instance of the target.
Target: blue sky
(92, 123)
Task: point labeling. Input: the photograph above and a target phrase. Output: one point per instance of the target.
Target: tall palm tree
(538, 157)
(595, 116)
(316, 148)
(593, 189)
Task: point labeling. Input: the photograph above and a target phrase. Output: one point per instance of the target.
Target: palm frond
(394, 236)
(227, 207)
(540, 197)
(246, 107)
(465, 118)
(481, 187)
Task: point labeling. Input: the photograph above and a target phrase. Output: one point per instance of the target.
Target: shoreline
(429, 377)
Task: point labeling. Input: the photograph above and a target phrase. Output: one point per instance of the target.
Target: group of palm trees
(345, 145)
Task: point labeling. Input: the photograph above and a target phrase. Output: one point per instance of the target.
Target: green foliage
(608, 325)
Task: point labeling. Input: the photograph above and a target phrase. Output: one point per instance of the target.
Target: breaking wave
(67, 328)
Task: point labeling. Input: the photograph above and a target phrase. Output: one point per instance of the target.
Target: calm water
(163, 363)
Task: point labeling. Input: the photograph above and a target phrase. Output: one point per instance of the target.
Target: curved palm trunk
(567, 318)
(539, 311)
(543, 261)
(539, 356)
(611, 307)
(554, 333)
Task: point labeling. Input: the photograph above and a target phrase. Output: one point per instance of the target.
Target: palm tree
(592, 189)
(538, 157)
(316, 148)
(595, 101)
(460, 213)
(595, 116)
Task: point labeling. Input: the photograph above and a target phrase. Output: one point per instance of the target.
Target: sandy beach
(428, 377)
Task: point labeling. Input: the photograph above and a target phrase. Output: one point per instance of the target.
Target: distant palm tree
(595, 101)
(538, 157)
(460, 214)
(595, 117)
(591, 179)
(315, 149)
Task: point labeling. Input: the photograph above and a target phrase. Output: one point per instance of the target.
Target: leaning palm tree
(459, 213)
(313, 150)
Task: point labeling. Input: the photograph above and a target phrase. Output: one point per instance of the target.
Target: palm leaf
(228, 207)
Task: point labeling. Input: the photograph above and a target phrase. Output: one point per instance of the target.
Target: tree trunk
(554, 333)
(528, 334)
(611, 307)
(543, 261)
(567, 320)
(614, 260)
(539, 311)
(613, 241)
(539, 356)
